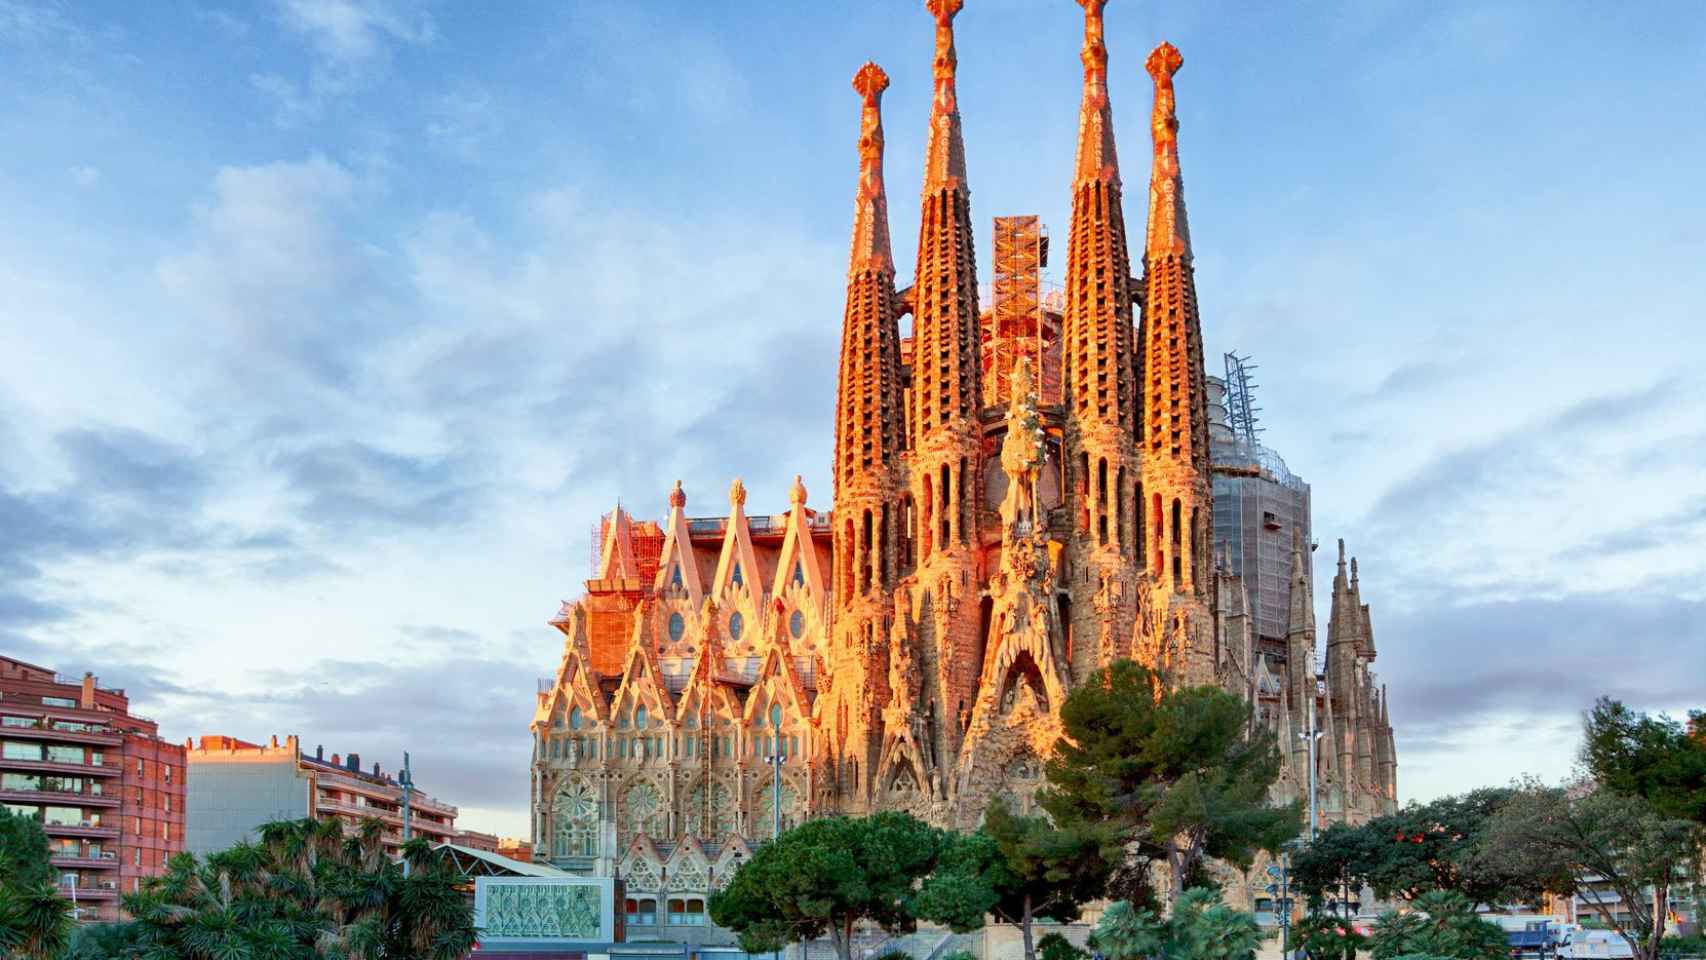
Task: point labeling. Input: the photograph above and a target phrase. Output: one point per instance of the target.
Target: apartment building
(237, 786)
(107, 790)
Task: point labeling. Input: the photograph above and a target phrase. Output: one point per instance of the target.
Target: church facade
(910, 649)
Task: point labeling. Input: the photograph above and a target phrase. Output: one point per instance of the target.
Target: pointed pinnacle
(945, 154)
(1097, 158)
(870, 247)
(1169, 232)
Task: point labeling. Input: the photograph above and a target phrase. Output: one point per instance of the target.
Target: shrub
(1053, 946)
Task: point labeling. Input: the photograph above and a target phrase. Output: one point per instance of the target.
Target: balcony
(85, 829)
(101, 891)
(61, 767)
(105, 860)
(59, 799)
(45, 732)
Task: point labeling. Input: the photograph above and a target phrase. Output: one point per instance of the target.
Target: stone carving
(1022, 453)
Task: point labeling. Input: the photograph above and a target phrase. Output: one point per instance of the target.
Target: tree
(35, 921)
(1179, 775)
(1440, 845)
(827, 875)
(1581, 840)
(1199, 928)
(1324, 935)
(1656, 758)
(1018, 868)
(304, 890)
(1443, 924)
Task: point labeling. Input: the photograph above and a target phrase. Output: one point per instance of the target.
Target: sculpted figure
(1022, 453)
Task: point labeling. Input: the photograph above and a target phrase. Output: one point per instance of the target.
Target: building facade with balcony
(238, 786)
(106, 789)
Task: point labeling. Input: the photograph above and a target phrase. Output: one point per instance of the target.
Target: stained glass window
(677, 627)
(736, 624)
(797, 624)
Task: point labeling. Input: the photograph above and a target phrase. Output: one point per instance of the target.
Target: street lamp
(407, 782)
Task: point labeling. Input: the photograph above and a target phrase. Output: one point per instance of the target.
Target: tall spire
(1169, 234)
(871, 204)
(868, 421)
(1100, 371)
(1096, 157)
(945, 384)
(945, 155)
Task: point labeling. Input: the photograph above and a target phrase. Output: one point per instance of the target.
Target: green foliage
(959, 955)
(1655, 758)
(1443, 923)
(305, 890)
(1180, 774)
(1200, 927)
(1683, 947)
(1322, 935)
(1018, 868)
(1053, 946)
(826, 875)
(35, 921)
(894, 955)
(1559, 835)
(1441, 845)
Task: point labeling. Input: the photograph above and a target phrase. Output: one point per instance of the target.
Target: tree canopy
(1178, 774)
(1443, 923)
(34, 920)
(304, 890)
(1656, 758)
(1565, 836)
(1439, 845)
(1200, 927)
(827, 875)
(1018, 868)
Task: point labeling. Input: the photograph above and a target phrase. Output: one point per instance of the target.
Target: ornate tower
(1101, 383)
(868, 439)
(946, 397)
(1173, 433)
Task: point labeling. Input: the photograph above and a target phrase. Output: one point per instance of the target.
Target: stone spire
(1100, 373)
(946, 436)
(870, 204)
(868, 421)
(1169, 233)
(1174, 429)
(945, 322)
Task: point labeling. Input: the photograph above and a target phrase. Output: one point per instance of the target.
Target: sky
(328, 329)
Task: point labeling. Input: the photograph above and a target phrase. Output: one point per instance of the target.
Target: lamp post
(775, 762)
(408, 783)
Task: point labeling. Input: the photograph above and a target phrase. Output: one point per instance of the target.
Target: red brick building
(105, 787)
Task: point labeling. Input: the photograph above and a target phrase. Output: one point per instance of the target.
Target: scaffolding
(1240, 399)
(1019, 322)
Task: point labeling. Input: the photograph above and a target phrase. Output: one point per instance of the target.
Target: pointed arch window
(574, 718)
(799, 576)
(675, 576)
(640, 717)
(776, 715)
(735, 577)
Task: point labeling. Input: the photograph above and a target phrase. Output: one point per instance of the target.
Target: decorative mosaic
(566, 910)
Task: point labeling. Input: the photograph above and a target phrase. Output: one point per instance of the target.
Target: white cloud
(86, 176)
(350, 32)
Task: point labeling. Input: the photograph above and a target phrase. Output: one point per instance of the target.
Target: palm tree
(35, 921)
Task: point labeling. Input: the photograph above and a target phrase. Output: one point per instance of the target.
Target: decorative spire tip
(1164, 61)
(871, 81)
(944, 10)
(678, 496)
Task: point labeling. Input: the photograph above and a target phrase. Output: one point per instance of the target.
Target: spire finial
(870, 249)
(945, 155)
(737, 494)
(797, 493)
(1097, 159)
(1169, 234)
(677, 497)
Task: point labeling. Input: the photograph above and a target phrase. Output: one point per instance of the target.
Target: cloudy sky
(327, 329)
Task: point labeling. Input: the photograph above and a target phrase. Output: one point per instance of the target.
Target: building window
(168, 799)
(14, 750)
(17, 721)
(642, 912)
(166, 771)
(574, 718)
(640, 717)
(58, 702)
(737, 623)
(136, 826)
(136, 856)
(139, 766)
(735, 577)
(775, 715)
(797, 624)
(677, 627)
(687, 912)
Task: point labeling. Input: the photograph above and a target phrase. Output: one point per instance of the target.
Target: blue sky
(327, 329)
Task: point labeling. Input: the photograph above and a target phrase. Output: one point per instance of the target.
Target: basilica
(1013, 508)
